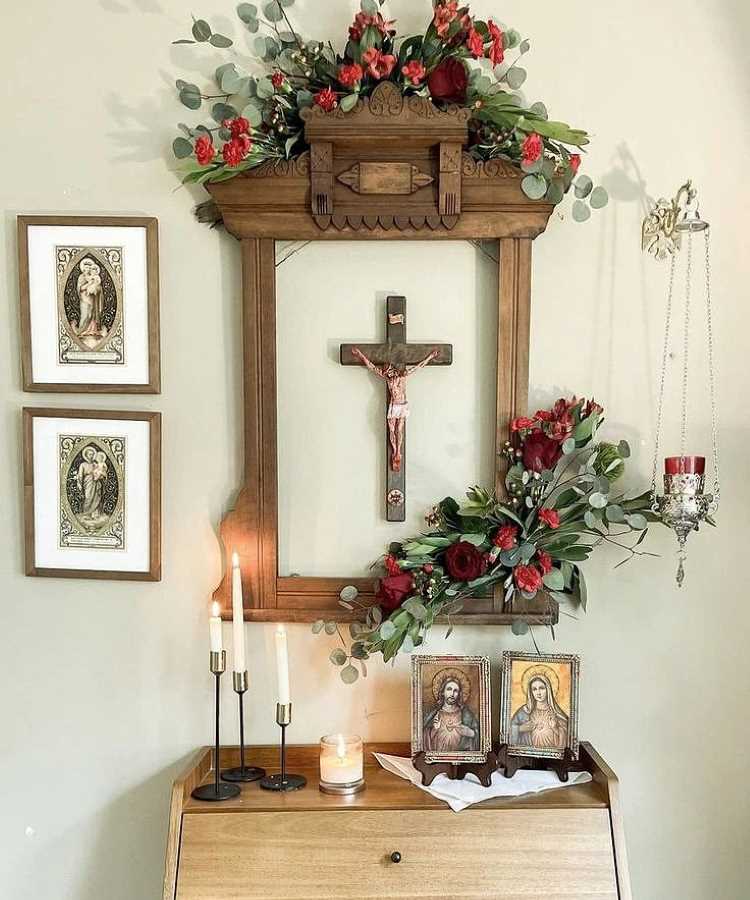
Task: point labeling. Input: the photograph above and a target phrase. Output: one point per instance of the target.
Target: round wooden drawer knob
(395, 857)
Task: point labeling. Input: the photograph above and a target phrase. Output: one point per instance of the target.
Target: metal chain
(662, 380)
(712, 377)
(686, 347)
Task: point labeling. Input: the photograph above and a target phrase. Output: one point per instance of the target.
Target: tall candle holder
(242, 772)
(219, 790)
(283, 781)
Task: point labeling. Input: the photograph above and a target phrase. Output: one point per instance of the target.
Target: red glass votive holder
(685, 465)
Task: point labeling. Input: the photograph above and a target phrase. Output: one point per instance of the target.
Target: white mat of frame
(460, 794)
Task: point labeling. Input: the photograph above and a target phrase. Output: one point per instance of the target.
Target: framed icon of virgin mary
(89, 291)
(451, 708)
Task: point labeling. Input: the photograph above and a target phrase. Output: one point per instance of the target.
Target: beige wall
(104, 685)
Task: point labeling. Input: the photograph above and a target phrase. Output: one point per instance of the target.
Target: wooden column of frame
(275, 202)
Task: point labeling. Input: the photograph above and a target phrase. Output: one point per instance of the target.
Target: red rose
(540, 452)
(521, 423)
(237, 126)
(475, 43)
(574, 162)
(527, 578)
(448, 81)
(236, 150)
(350, 75)
(464, 562)
(544, 561)
(379, 65)
(204, 150)
(391, 565)
(505, 537)
(428, 568)
(496, 51)
(532, 148)
(550, 517)
(392, 591)
(326, 99)
(277, 79)
(414, 71)
(445, 13)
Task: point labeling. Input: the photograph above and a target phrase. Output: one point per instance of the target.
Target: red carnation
(505, 537)
(496, 51)
(464, 562)
(326, 99)
(237, 126)
(362, 20)
(448, 81)
(236, 150)
(522, 423)
(391, 565)
(350, 75)
(475, 43)
(277, 79)
(204, 150)
(392, 591)
(445, 13)
(414, 71)
(574, 162)
(379, 65)
(540, 452)
(532, 148)
(527, 578)
(550, 517)
(592, 407)
(544, 561)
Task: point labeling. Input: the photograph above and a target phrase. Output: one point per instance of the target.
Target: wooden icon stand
(511, 764)
(456, 771)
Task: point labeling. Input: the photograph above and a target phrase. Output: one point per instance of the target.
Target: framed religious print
(450, 699)
(89, 291)
(92, 493)
(539, 704)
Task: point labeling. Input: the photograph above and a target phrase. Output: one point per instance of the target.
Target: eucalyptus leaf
(539, 109)
(338, 657)
(349, 674)
(253, 114)
(475, 539)
(330, 627)
(201, 30)
(623, 448)
(247, 12)
(387, 630)
(183, 41)
(272, 11)
(510, 558)
(524, 46)
(515, 76)
(519, 627)
(581, 211)
(304, 99)
(220, 41)
(190, 96)
(568, 445)
(555, 192)
(554, 580)
(615, 513)
(534, 186)
(349, 102)
(637, 521)
(222, 111)
(369, 7)
(359, 651)
(264, 88)
(599, 197)
(583, 186)
(590, 519)
(527, 551)
(598, 500)
(417, 609)
(182, 148)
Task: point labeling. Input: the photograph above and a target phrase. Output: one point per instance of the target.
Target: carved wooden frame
(274, 202)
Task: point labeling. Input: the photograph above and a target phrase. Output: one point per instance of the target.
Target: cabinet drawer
(346, 855)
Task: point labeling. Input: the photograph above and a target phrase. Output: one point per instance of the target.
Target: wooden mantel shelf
(564, 843)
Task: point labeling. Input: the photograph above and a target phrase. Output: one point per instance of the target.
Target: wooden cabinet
(394, 841)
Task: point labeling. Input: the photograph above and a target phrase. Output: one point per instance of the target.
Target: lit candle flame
(215, 610)
(235, 559)
(341, 747)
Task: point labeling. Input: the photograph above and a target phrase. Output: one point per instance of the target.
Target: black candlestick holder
(218, 790)
(283, 781)
(242, 772)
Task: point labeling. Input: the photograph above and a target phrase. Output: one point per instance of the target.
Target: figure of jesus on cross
(398, 406)
(393, 362)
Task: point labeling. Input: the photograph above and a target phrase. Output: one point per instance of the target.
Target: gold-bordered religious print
(90, 305)
(89, 292)
(92, 491)
(539, 704)
(451, 719)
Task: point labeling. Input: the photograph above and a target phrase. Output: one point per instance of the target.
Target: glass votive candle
(341, 764)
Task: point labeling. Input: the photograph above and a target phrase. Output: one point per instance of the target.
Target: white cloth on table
(459, 794)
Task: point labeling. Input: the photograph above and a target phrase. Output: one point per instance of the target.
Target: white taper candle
(214, 628)
(282, 665)
(238, 618)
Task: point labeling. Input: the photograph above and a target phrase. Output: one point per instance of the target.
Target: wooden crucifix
(394, 361)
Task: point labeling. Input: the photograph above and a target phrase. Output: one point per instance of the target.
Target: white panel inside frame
(133, 554)
(46, 365)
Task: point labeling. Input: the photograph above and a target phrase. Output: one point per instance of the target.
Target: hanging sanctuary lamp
(684, 505)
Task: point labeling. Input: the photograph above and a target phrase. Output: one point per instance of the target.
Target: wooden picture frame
(557, 674)
(142, 561)
(311, 198)
(51, 349)
(440, 682)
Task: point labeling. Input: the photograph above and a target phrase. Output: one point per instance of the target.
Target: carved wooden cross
(394, 361)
